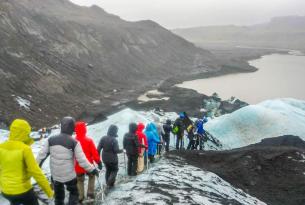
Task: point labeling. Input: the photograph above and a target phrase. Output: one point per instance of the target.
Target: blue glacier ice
(253, 123)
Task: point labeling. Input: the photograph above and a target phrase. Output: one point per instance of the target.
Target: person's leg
(167, 143)
(59, 191)
(73, 192)
(108, 171)
(134, 165)
(113, 174)
(177, 141)
(91, 183)
(28, 198)
(81, 186)
(129, 167)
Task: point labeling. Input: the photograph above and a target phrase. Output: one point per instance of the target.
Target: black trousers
(166, 142)
(59, 189)
(200, 140)
(132, 165)
(111, 173)
(27, 198)
(179, 142)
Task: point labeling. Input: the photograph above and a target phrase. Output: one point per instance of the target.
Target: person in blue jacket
(153, 141)
(201, 131)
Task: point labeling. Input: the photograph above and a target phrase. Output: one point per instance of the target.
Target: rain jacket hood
(141, 127)
(133, 128)
(80, 130)
(20, 131)
(113, 131)
(67, 125)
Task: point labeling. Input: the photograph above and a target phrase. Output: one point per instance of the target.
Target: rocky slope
(59, 58)
(272, 171)
(280, 32)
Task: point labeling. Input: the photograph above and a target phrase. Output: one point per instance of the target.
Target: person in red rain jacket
(143, 146)
(141, 137)
(92, 155)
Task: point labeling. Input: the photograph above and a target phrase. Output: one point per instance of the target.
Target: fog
(189, 13)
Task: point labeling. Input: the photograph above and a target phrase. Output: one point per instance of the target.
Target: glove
(94, 172)
(100, 166)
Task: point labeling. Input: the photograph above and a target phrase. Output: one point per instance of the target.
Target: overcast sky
(189, 13)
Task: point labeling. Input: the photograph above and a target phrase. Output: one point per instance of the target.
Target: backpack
(175, 129)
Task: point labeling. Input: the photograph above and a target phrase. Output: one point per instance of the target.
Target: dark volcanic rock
(67, 56)
(272, 171)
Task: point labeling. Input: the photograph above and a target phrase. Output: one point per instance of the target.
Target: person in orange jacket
(18, 166)
(92, 155)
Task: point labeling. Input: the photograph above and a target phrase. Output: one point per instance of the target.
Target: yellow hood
(20, 131)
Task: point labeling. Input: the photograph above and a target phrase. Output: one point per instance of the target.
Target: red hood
(81, 130)
(141, 127)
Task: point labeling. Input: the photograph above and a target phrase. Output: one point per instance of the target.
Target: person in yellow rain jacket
(18, 165)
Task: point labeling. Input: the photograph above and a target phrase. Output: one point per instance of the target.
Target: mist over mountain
(57, 58)
(281, 32)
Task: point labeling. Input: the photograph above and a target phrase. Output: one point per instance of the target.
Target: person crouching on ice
(18, 166)
(92, 156)
(131, 145)
(63, 151)
(110, 149)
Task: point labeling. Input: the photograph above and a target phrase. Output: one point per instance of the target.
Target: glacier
(251, 124)
(168, 178)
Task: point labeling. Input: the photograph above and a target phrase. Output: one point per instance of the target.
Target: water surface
(279, 76)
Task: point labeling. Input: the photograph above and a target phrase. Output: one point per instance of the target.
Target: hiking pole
(124, 152)
(101, 187)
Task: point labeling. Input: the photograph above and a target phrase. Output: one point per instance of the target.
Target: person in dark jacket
(167, 127)
(180, 132)
(63, 151)
(110, 150)
(131, 145)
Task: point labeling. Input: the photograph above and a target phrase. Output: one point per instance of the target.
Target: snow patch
(23, 103)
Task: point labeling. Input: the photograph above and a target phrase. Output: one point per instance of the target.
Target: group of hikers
(73, 158)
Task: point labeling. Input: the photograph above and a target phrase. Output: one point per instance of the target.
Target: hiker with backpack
(192, 138)
(18, 166)
(131, 145)
(153, 141)
(201, 132)
(167, 127)
(110, 149)
(178, 130)
(92, 156)
(63, 150)
(142, 148)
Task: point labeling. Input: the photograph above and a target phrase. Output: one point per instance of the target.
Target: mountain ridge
(69, 60)
(280, 32)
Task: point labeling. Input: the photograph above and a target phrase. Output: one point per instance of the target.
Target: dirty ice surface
(175, 182)
(251, 124)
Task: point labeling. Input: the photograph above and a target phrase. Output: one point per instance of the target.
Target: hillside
(281, 32)
(57, 58)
